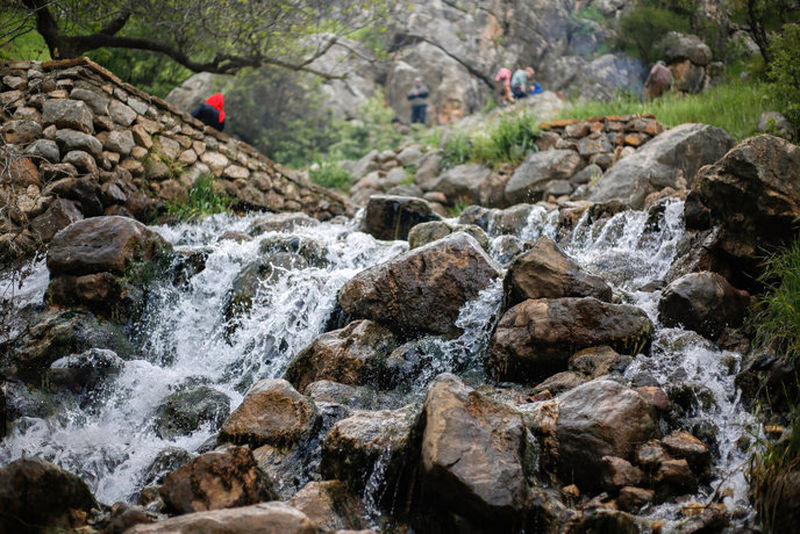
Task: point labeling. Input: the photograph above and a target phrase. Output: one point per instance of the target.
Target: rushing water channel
(185, 338)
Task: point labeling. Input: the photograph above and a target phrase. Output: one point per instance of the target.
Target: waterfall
(185, 338)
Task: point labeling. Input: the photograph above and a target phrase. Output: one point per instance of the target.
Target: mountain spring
(184, 338)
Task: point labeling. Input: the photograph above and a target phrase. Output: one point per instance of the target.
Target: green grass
(28, 46)
(734, 107)
(331, 175)
(508, 141)
(202, 201)
(777, 324)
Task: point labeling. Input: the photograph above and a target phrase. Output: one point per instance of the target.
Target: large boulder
(183, 412)
(597, 419)
(390, 217)
(462, 182)
(224, 478)
(38, 496)
(753, 195)
(530, 180)
(102, 244)
(536, 338)
(679, 46)
(262, 518)
(473, 457)
(273, 413)
(671, 159)
(545, 271)
(65, 113)
(704, 302)
(354, 355)
(370, 444)
(424, 289)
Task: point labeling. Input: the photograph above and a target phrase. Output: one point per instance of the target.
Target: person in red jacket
(211, 112)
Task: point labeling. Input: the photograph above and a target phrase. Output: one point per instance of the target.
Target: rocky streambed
(514, 371)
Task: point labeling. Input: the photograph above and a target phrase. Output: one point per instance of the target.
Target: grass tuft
(202, 201)
(331, 175)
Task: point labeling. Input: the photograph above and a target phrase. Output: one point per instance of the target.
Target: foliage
(202, 201)
(591, 13)
(153, 73)
(331, 175)
(509, 141)
(644, 25)
(734, 106)
(785, 71)
(457, 150)
(202, 35)
(764, 18)
(26, 44)
(777, 323)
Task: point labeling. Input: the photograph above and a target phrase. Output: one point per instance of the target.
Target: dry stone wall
(77, 142)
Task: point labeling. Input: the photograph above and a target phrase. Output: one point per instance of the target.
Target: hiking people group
(518, 85)
(419, 101)
(211, 112)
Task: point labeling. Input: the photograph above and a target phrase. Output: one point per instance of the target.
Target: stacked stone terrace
(77, 142)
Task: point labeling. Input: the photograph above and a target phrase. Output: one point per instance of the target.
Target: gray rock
(65, 113)
(81, 161)
(168, 148)
(120, 113)
(428, 232)
(69, 140)
(186, 411)
(44, 148)
(390, 218)
(84, 372)
(409, 156)
(679, 46)
(120, 142)
(193, 91)
(671, 159)
(587, 175)
(462, 182)
(21, 132)
(429, 168)
(95, 100)
(365, 165)
(774, 123)
(531, 178)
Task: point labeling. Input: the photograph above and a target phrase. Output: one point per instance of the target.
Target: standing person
(519, 82)
(504, 74)
(658, 81)
(419, 101)
(211, 112)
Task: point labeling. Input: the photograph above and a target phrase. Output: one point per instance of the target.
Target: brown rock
(24, 172)
(631, 499)
(599, 418)
(262, 518)
(391, 217)
(536, 338)
(546, 272)
(225, 478)
(354, 355)
(595, 362)
(618, 472)
(651, 455)
(328, 505)
(60, 214)
(424, 289)
(674, 478)
(272, 412)
(559, 383)
(686, 446)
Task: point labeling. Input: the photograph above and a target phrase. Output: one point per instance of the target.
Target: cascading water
(185, 338)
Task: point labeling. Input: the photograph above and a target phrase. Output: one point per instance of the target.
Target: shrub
(509, 141)
(784, 71)
(643, 26)
(202, 201)
(457, 150)
(331, 175)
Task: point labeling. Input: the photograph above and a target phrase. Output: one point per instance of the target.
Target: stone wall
(77, 142)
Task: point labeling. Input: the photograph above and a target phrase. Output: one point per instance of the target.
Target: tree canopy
(218, 36)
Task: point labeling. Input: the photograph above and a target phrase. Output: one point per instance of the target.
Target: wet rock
(704, 302)
(674, 477)
(428, 232)
(559, 383)
(255, 275)
(618, 472)
(546, 272)
(84, 372)
(273, 413)
(310, 250)
(595, 362)
(225, 478)
(753, 194)
(84, 191)
(473, 456)
(165, 462)
(651, 455)
(183, 412)
(683, 445)
(631, 499)
(367, 441)
(424, 289)
(536, 338)
(57, 333)
(671, 159)
(390, 218)
(24, 401)
(65, 113)
(354, 355)
(329, 505)
(124, 516)
(262, 518)
(103, 244)
(364, 398)
(599, 418)
(36, 495)
(531, 178)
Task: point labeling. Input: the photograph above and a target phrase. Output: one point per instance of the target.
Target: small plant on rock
(202, 201)
(331, 175)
